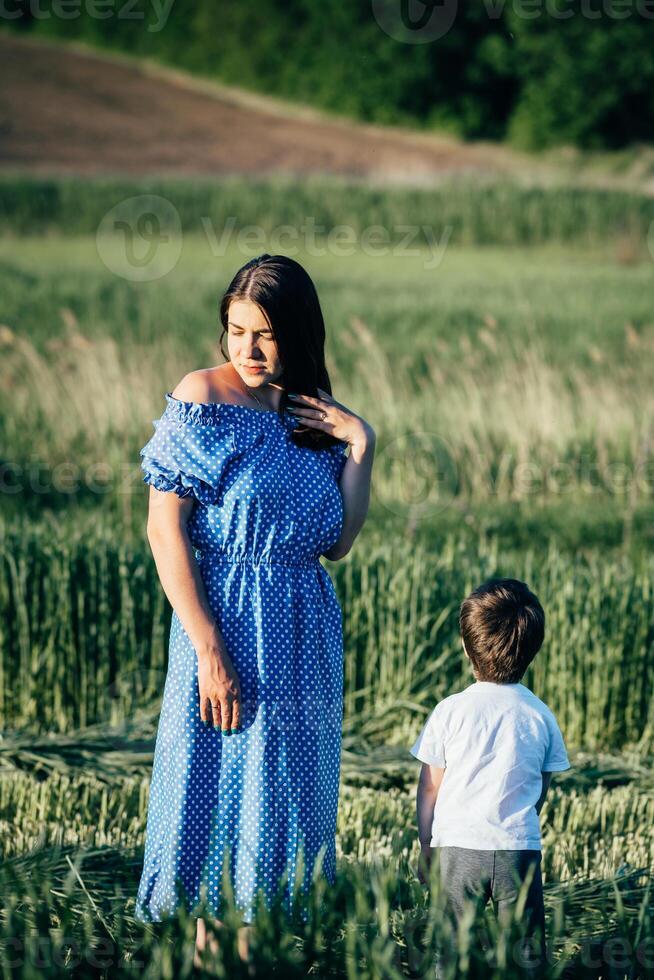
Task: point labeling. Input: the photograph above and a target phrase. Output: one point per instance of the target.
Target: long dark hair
(286, 295)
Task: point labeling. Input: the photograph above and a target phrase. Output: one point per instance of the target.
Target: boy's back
(486, 752)
(493, 740)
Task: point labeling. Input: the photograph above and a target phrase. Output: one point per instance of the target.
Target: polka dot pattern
(259, 806)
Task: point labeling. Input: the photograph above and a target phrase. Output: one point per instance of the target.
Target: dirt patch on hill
(66, 110)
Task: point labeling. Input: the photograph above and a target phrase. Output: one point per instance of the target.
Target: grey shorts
(468, 874)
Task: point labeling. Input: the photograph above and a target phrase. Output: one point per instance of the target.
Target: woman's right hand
(220, 692)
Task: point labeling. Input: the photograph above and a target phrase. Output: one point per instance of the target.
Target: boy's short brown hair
(502, 624)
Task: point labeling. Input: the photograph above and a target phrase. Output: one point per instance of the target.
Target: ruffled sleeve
(337, 458)
(188, 452)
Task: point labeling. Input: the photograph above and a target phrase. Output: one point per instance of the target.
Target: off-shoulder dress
(263, 801)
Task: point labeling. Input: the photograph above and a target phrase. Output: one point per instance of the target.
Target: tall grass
(72, 848)
(477, 211)
(86, 628)
(85, 637)
(66, 911)
(501, 423)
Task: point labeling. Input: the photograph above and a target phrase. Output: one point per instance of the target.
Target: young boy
(488, 753)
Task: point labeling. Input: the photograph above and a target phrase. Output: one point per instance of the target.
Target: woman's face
(250, 343)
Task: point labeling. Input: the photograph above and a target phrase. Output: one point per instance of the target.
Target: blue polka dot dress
(262, 803)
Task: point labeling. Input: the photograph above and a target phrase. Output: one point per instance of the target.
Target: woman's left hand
(331, 416)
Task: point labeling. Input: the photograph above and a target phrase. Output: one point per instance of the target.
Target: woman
(248, 487)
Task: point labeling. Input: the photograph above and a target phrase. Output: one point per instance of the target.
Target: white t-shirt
(493, 740)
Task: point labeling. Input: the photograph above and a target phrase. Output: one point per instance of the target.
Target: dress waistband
(235, 558)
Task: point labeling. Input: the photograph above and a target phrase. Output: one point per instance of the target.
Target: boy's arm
(547, 778)
(429, 748)
(429, 784)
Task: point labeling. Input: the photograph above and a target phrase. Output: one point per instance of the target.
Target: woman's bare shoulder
(204, 385)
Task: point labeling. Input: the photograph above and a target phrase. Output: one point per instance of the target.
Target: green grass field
(510, 389)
